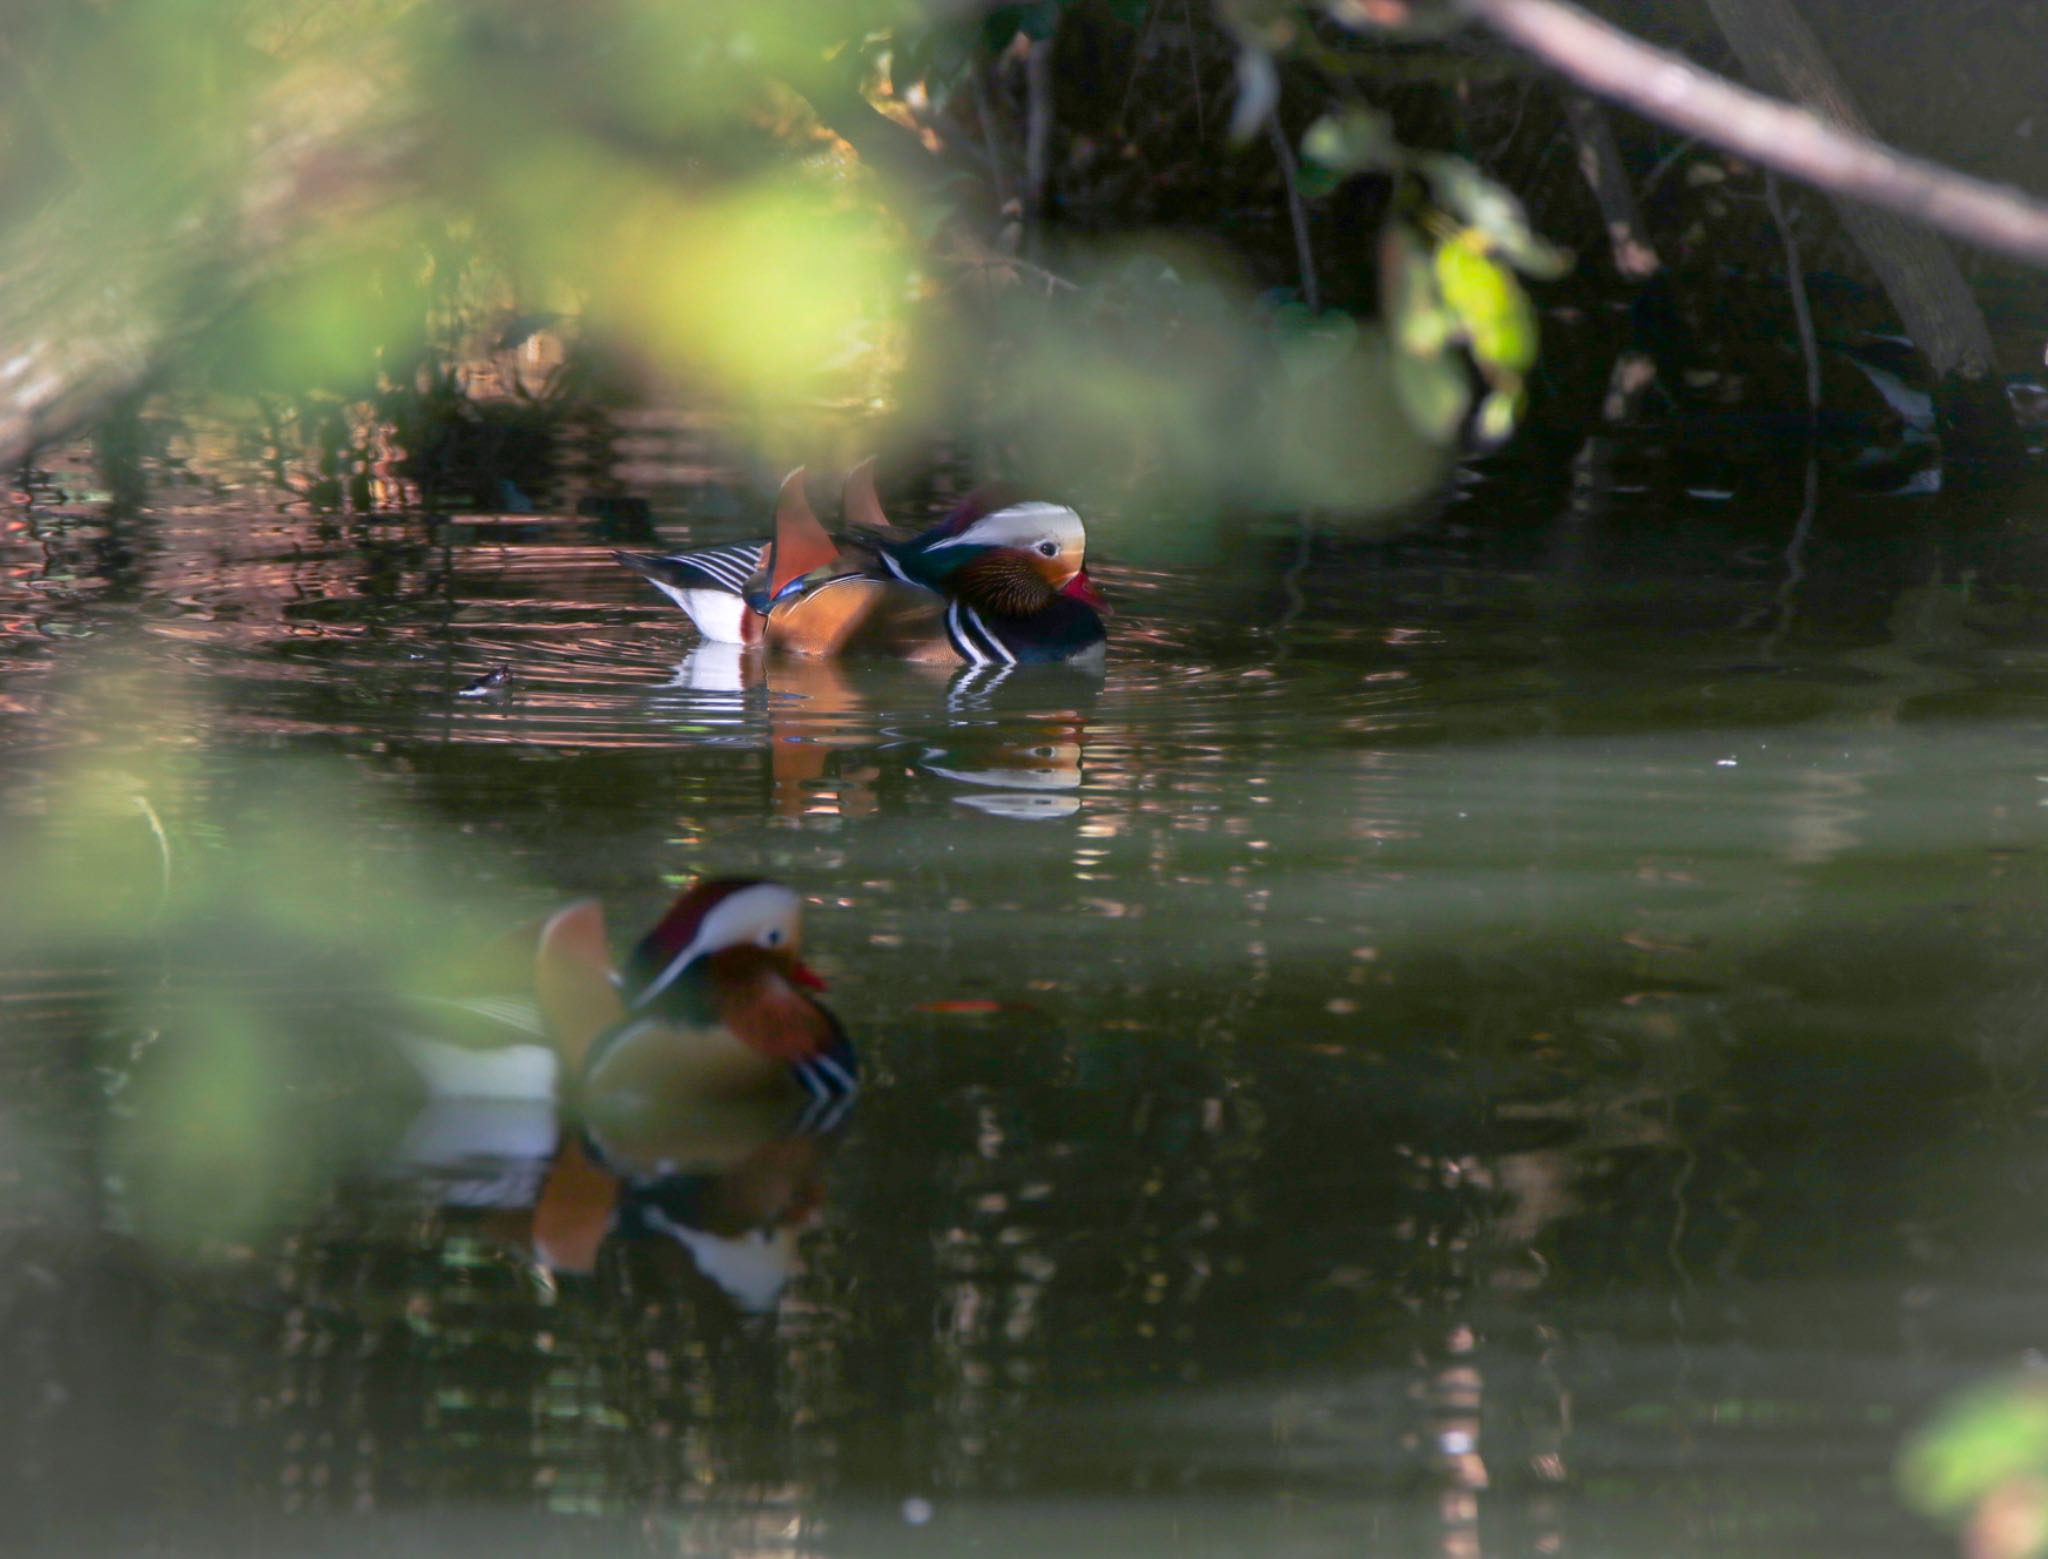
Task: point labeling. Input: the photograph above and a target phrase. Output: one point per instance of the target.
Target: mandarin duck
(1000, 581)
(692, 1059)
(713, 1003)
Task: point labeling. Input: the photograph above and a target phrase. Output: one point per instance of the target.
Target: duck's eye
(1049, 549)
(772, 937)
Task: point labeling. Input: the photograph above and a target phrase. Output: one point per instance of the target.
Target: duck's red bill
(803, 974)
(1082, 588)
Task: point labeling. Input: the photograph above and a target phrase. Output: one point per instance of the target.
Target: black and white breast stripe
(731, 567)
(824, 1078)
(972, 639)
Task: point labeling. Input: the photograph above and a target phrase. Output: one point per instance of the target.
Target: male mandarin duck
(689, 1060)
(1001, 581)
(713, 1003)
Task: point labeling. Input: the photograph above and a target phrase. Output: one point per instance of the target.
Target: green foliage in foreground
(1983, 1465)
(353, 199)
(234, 946)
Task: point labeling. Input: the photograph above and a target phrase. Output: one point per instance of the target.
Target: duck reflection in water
(1012, 741)
(1028, 768)
(704, 1081)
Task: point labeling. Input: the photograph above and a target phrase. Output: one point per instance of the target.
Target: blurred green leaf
(1160, 372)
(1470, 196)
(1987, 1438)
(764, 288)
(1408, 295)
(1352, 140)
(1313, 343)
(1535, 256)
(331, 325)
(1434, 392)
(206, 1154)
(1489, 305)
(1491, 210)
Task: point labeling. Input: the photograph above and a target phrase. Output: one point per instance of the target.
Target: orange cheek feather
(759, 1003)
(784, 1026)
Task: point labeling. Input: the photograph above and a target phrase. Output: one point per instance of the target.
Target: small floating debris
(973, 1007)
(496, 680)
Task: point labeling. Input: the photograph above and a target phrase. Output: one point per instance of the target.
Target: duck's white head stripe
(1020, 525)
(670, 970)
(732, 921)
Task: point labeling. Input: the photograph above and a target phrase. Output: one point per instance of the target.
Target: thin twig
(1038, 114)
(980, 259)
(1194, 68)
(1663, 166)
(1311, 293)
(1290, 583)
(1795, 281)
(998, 168)
(1123, 109)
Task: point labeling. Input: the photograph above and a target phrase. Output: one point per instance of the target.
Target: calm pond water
(1522, 1038)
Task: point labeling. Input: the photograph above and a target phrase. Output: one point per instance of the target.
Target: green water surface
(1524, 1038)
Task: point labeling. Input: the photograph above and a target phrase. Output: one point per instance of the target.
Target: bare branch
(1670, 89)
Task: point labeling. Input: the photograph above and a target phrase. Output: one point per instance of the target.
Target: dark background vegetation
(1269, 253)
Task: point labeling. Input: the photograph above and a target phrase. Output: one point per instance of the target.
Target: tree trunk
(1635, 257)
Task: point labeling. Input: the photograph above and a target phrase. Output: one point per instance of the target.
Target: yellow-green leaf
(1489, 305)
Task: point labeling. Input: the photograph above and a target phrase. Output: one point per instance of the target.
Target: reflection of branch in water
(1795, 557)
(163, 848)
(1290, 582)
